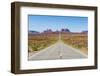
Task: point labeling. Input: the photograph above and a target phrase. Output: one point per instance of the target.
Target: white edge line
(41, 51)
(76, 50)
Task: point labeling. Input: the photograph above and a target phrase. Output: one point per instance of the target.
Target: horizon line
(56, 31)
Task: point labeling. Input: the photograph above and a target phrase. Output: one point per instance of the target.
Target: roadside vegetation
(39, 42)
(77, 41)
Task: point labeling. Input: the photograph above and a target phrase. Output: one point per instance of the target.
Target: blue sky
(42, 22)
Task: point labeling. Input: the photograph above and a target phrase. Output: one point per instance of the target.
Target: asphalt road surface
(58, 51)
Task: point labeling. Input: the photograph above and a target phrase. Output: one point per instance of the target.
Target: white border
(25, 64)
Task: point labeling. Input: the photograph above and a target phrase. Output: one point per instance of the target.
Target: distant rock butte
(33, 32)
(51, 31)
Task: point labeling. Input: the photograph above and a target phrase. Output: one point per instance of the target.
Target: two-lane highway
(58, 51)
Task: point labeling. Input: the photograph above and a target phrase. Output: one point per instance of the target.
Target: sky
(43, 22)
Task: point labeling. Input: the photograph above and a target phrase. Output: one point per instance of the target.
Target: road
(58, 50)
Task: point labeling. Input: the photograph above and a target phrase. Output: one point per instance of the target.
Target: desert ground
(57, 45)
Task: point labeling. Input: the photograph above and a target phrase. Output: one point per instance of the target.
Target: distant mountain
(48, 31)
(65, 30)
(85, 31)
(62, 30)
(33, 32)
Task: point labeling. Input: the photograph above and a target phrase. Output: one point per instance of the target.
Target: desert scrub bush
(40, 42)
(79, 42)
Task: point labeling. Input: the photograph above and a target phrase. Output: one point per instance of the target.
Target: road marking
(76, 50)
(42, 50)
(59, 47)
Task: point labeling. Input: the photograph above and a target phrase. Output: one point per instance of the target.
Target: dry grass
(77, 41)
(40, 42)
